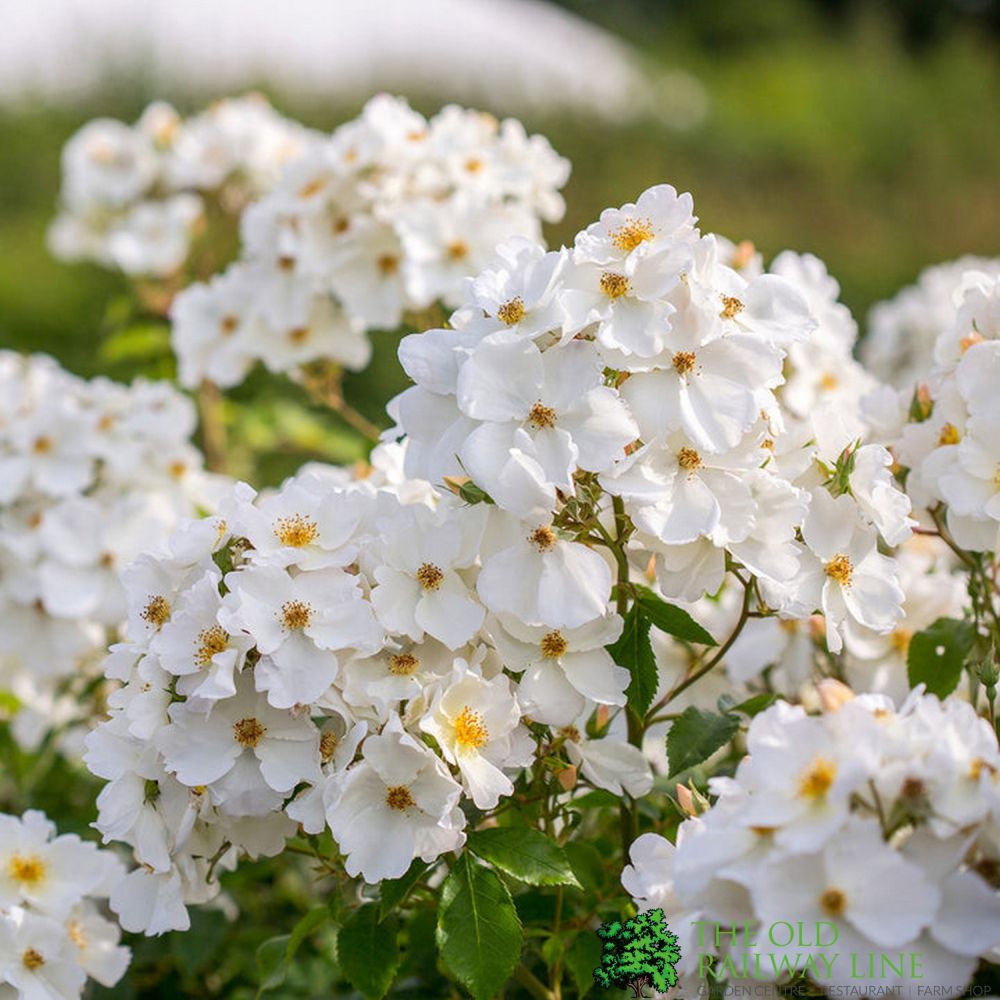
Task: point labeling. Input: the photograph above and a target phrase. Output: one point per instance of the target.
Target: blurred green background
(865, 132)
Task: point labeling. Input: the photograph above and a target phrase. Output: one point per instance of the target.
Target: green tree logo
(638, 953)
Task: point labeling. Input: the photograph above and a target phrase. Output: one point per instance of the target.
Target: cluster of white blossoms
(134, 197)
(52, 934)
(386, 215)
(341, 654)
(90, 471)
(877, 826)
(899, 346)
(639, 385)
(945, 431)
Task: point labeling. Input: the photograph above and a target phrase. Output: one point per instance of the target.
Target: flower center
(228, 325)
(996, 476)
(458, 250)
(403, 664)
(43, 445)
(398, 797)
(553, 645)
(430, 576)
(470, 730)
(157, 611)
(296, 614)
(731, 306)
(76, 934)
(31, 959)
(27, 869)
(327, 746)
(630, 234)
(614, 285)
(312, 187)
(211, 642)
(978, 765)
(683, 362)
(828, 382)
(970, 340)
(473, 165)
(833, 902)
(248, 732)
(840, 568)
(295, 531)
(541, 416)
(298, 334)
(570, 733)
(899, 639)
(543, 538)
(689, 459)
(388, 264)
(949, 435)
(817, 779)
(512, 312)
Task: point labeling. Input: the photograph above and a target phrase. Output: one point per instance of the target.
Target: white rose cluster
(880, 826)
(638, 387)
(332, 655)
(90, 472)
(52, 934)
(946, 430)
(899, 345)
(386, 215)
(134, 196)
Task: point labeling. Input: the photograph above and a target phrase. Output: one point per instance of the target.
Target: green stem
(532, 983)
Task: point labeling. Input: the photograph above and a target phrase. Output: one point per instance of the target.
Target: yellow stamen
(470, 730)
(398, 797)
(296, 531)
(818, 778)
(614, 285)
(248, 732)
(543, 538)
(683, 362)
(403, 664)
(630, 234)
(689, 459)
(541, 417)
(31, 959)
(833, 902)
(296, 614)
(26, 869)
(430, 576)
(731, 307)
(157, 611)
(553, 645)
(211, 642)
(841, 569)
(511, 312)
(949, 435)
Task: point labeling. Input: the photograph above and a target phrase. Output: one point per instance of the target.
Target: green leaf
(755, 705)
(479, 934)
(271, 964)
(671, 619)
(696, 735)
(308, 925)
(634, 652)
(582, 957)
(395, 891)
(525, 853)
(368, 951)
(938, 653)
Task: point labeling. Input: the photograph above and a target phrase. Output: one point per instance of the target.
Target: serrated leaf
(271, 964)
(634, 652)
(671, 619)
(479, 934)
(368, 951)
(938, 653)
(695, 735)
(524, 853)
(394, 891)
